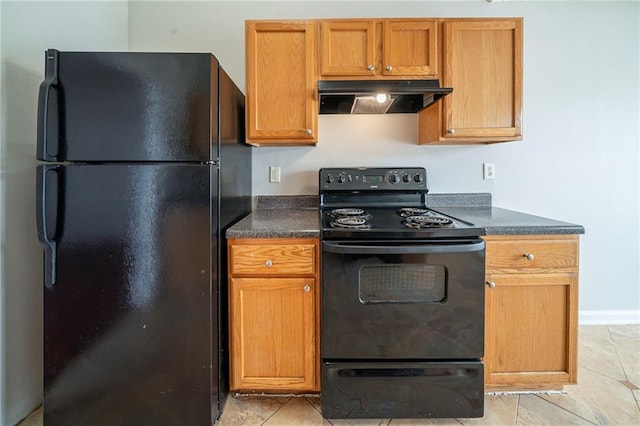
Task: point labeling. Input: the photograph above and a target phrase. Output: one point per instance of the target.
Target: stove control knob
(406, 178)
(329, 179)
(342, 178)
(394, 178)
(418, 178)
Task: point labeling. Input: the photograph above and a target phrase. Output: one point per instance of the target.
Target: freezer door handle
(45, 235)
(48, 130)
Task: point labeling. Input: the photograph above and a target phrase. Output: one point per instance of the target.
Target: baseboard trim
(608, 317)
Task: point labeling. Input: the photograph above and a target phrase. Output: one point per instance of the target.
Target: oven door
(386, 300)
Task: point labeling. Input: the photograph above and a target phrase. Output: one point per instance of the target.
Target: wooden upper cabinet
(281, 83)
(482, 62)
(347, 48)
(374, 48)
(410, 48)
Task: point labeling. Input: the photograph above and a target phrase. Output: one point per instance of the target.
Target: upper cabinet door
(483, 63)
(379, 48)
(348, 48)
(281, 89)
(410, 48)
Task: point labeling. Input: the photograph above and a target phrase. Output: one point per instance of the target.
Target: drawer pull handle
(529, 256)
(307, 288)
(268, 263)
(491, 284)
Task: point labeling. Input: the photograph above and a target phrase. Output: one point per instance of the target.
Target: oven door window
(402, 283)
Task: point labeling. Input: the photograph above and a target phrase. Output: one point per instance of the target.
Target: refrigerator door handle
(43, 231)
(51, 80)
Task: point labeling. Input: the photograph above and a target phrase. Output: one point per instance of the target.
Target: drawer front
(289, 259)
(529, 255)
(362, 389)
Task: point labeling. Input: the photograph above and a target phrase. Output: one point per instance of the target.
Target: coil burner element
(421, 222)
(351, 223)
(348, 212)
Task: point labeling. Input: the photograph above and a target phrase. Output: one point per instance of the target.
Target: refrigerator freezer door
(130, 325)
(113, 106)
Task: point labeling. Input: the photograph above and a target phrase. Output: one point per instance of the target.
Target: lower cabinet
(531, 312)
(273, 315)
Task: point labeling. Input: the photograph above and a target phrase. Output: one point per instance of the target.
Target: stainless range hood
(378, 96)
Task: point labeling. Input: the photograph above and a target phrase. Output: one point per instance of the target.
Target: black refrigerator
(146, 167)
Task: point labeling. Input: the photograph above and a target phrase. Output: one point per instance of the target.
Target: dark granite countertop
(278, 223)
(498, 221)
(298, 217)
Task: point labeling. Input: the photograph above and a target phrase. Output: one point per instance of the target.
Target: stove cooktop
(383, 203)
(393, 222)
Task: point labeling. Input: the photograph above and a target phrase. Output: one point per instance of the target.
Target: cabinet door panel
(530, 324)
(281, 90)
(483, 63)
(347, 48)
(273, 335)
(410, 48)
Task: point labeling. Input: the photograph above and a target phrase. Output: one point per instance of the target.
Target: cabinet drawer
(273, 259)
(526, 254)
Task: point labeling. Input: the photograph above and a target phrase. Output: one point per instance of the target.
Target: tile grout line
(615, 348)
(567, 410)
(272, 414)
(626, 376)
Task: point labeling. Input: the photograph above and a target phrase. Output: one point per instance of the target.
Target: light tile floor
(607, 393)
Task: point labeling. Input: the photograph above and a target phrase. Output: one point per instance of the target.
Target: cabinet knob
(371, 67)
(389, 68)
(451, 131)
(308, 131)
(529, 256)
(307, 288)
(268, 263)
(491, 284)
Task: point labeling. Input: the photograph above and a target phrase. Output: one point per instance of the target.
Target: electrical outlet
(274, 174)
(488, 170)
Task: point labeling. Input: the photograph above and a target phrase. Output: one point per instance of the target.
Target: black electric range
(402, 329)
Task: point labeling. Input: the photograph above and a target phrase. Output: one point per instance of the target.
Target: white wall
(27, 30)
(578, 161)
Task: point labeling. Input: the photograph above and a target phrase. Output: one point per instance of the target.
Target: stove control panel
(373, 178)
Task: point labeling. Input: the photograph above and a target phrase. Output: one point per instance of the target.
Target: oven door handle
(409, 248)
